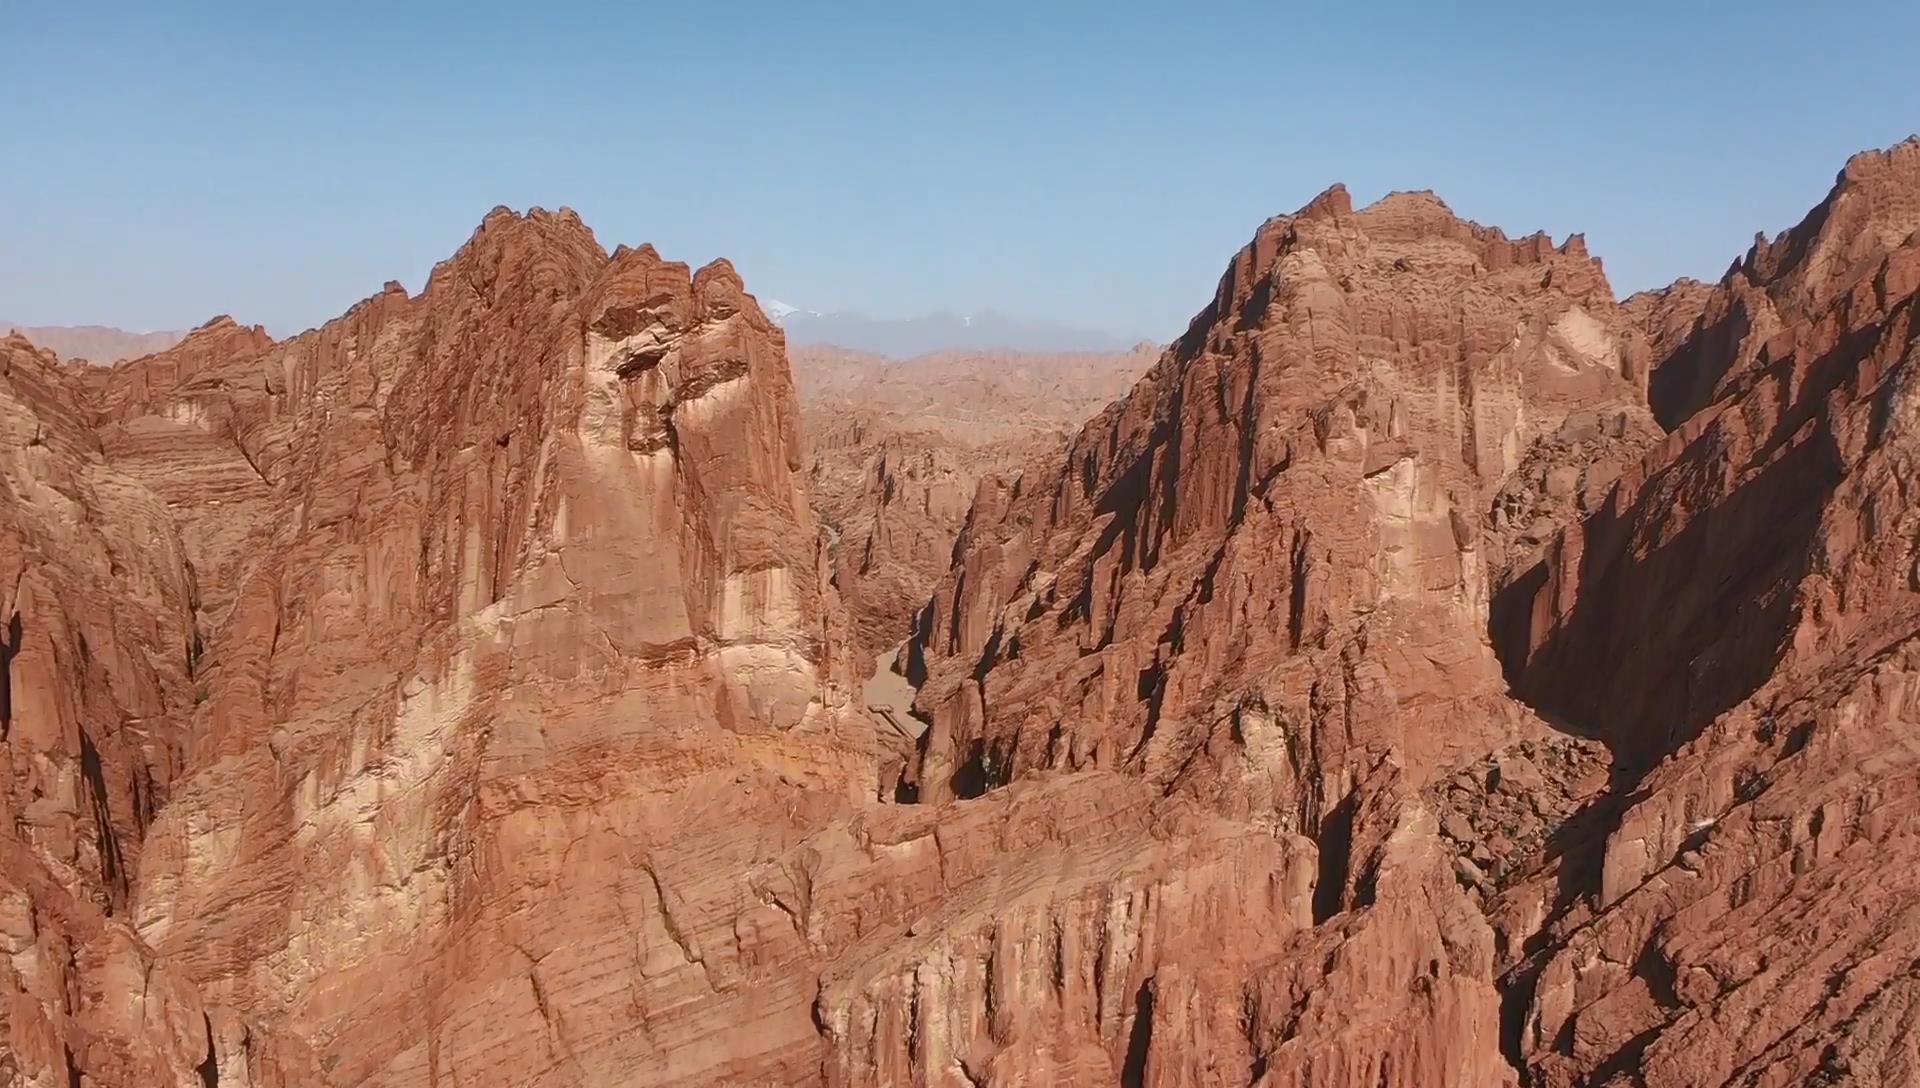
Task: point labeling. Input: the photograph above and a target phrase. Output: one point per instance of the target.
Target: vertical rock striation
(1432, 672)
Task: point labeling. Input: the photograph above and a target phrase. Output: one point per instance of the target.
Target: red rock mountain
(1432, 672)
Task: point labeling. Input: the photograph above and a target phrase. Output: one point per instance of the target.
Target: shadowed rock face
(1738, 622)
(1259, 584)
(1432, 672)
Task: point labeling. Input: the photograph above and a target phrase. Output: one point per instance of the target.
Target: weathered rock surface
(98, 650)
(1260, 582)
(1303, 482)
(1432, 672)
(1737, 621)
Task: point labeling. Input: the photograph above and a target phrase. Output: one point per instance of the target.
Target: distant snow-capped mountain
(781, 311)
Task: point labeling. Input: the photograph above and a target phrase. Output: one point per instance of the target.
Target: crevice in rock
(210, 1069)
(1335, 841)
(640, 360)
(905, 792)
(1517, 988)
(707, 380)
(1299, 570)
(984, 769)
(682, 937)
(1133, 1072)
(1244, 481)
(113, 869)
(1151, 688)
(9, 649)
(146, 798)
(1249, 1029)
(913, 1020)
(1625, 1062)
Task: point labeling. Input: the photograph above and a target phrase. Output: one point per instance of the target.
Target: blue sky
(1095, 164)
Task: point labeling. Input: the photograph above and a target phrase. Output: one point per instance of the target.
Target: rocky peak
(1859, 242)
(459, 561)
(1259, 583)
(540, 252)
(1874, 207)
(1360, 389)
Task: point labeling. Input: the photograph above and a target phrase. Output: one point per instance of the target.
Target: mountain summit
(1429, 670)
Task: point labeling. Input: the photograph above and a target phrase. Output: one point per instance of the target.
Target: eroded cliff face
(456, 617)
(527, 626)
(98, 654)
(1302, 487)
(1738, 621)
(1260, 585)
(1379, 693)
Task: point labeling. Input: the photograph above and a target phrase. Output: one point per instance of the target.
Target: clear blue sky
(1092, 163)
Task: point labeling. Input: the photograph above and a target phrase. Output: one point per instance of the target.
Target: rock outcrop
(1737, 622)
(1260, 583)
(438, 625)
(98, 657)
(1311, 467)
(1432, 672)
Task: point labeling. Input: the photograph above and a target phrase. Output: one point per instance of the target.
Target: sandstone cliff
(1260, 585)
(99, 650)
(1432, 672)
(1737, 621)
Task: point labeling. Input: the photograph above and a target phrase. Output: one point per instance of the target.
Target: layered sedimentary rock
(1260, 583)
(1737, 622)
(98, 653)
(527, 626)
(1432, 672)
(897, 448)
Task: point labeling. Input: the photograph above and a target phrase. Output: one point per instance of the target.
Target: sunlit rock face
(1260, 585)
(1432, 672)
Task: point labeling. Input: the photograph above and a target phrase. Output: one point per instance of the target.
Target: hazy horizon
(1087, 167)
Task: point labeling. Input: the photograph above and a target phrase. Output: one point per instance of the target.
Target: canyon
(1429, 669)
(897, 448)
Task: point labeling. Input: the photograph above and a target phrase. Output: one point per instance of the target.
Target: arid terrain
(896, 448)
(1428, 670)
(94, 343)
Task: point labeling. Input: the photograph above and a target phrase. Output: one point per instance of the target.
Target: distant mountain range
(899, 338)
(903, 338)
(94, 343)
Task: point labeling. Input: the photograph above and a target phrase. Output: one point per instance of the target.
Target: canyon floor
(1429, 669)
